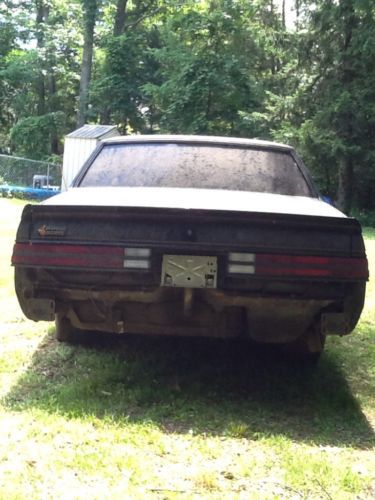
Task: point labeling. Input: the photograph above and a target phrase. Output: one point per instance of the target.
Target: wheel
(65, 331)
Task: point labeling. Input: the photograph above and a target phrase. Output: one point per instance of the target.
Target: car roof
(197, 139)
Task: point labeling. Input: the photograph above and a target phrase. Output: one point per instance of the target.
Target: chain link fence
(20, 176)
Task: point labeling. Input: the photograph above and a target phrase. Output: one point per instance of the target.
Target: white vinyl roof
(202, 139)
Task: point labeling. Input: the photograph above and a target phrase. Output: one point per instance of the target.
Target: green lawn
(150, 418)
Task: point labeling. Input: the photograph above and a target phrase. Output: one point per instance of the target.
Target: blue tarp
(27, 193)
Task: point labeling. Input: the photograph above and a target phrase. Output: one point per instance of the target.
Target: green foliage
(210, 67)
(31, 137)
(366, 218)
(38, 68)
(116, 92)
(20, 73)
(206, 79)
(333, 115)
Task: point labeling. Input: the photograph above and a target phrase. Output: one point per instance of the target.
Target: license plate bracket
(189, 271)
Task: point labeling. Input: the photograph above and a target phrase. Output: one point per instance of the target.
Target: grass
(173, 418)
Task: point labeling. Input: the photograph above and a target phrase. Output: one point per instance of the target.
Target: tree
(338, 95)
(90, 11)
(37, 74)
(207, 77)
(209, 66)
(125, 64)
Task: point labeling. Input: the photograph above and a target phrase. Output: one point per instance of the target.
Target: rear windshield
(196, 166)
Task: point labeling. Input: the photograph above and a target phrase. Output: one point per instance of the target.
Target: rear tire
(65, 331)
(308, 347)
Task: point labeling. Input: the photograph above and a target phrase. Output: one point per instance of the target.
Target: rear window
(196, 166)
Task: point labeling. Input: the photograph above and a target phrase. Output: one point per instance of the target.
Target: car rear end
(190, 272)
(192, 236)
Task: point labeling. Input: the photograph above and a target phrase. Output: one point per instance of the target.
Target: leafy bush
(31, 137)
(366, 218)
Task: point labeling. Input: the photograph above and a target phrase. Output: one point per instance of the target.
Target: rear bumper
(197, 312)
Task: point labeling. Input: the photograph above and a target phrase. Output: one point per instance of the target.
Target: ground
(160, 418)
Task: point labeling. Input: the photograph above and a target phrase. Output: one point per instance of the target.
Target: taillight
(82, 256)
(297, 266)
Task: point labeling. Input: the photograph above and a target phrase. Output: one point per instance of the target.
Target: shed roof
(92, 131)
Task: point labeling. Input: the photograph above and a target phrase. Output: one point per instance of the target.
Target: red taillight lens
(83, 256)
(311, 266)
(298, 266)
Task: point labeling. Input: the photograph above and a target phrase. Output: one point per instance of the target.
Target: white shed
(79, 145)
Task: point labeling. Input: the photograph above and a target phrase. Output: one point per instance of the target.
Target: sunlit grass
(157, 418)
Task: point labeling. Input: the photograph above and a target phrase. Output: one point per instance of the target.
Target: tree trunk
(52, 105)
(297, 6)
(346, 117)
(120, 17)
(345, 189)
(40, 19)
(105, 116)
(90, 12)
